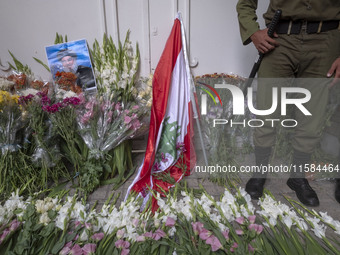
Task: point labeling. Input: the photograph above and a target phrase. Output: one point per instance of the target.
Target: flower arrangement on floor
(57, 131)
(184, 224)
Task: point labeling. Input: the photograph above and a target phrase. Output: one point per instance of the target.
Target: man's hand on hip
(263, 42)
(335, 69)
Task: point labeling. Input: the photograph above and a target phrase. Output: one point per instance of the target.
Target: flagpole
(192, 90)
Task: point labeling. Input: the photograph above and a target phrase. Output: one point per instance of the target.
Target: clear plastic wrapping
(103, 124)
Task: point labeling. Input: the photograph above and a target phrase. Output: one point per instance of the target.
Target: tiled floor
(277, 186)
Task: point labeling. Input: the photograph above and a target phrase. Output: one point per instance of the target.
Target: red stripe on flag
(161, 84)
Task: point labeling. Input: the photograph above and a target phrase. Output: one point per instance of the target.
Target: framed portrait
(71, 66)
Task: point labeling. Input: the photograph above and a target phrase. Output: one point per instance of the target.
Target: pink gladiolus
(233, 247)
(4, 234)
(77, 223)
(256, 227)
(81, 98)
(86, 117)
(170, 222)
(88, 225)
(148, 234)
(98, 236)
(240, 220)
(158, 234)
(252, 219)
(120, 233)
(76, 250)
(117, 107)
(136, 124)
(105, 106)
(125, 252)
(226, 234)
(135, 107)
(69, 244)
(135, 222)
(140, 238)
(65, 251)
(197, 227)
(251, 248)
(89, 105)
(109, 116)
(89, 248)
(214, 243)
(127, 119)
(205, 234)
(239, 232)
(14, 225)
(122, 244)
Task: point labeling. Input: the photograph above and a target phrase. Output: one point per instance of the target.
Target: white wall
(212, 30)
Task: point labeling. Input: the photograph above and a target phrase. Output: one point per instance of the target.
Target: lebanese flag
(169, 149)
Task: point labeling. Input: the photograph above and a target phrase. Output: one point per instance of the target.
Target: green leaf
(52, 214)
(37, 227)
(154, 247)
(18, 210)
(47, 230)
(42, 63)
(18, 64)
(58, 246)
(70, 237)
(163, 250)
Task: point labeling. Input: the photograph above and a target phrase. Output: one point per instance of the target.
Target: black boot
(299, 183)
(337, 190)
(254, 186)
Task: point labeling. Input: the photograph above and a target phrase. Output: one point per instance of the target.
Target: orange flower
(18, 79)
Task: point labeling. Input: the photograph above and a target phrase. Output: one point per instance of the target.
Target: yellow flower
(4, 96)
(15, 98)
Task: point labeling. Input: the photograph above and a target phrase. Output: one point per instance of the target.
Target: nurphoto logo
(240, 102)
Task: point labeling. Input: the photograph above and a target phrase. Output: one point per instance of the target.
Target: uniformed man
(306, 45)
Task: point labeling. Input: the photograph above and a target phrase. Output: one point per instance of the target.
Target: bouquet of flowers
(14, 170)
(11, 122)
(67, 81)
(105, 124)
(62, 114)
(115, 68)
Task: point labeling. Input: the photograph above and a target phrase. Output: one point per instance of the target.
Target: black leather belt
(311, 27)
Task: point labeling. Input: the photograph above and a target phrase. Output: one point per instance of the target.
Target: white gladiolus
(44, 219)
(319, 230)
(83, 236)
(172, 231)
(287, 220)
(328, 219)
